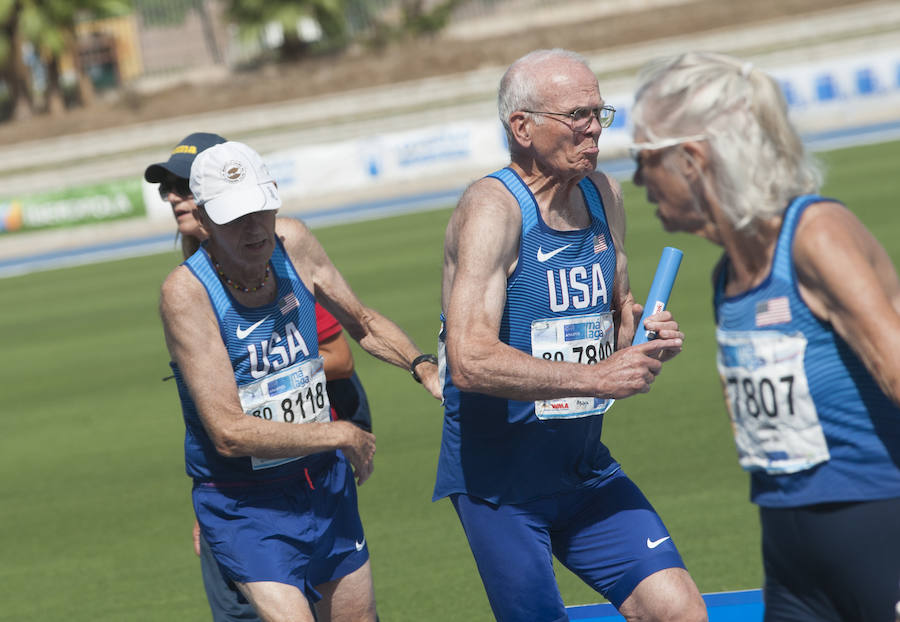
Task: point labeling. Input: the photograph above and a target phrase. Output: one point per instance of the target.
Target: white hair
(757, 158)
(518, 88)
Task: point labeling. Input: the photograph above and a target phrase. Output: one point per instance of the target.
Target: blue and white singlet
(558, 307)
(811, 424)
(274, 351)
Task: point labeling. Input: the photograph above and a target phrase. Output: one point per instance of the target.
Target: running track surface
(742, 606)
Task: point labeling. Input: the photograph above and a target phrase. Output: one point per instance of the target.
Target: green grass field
(94, 502)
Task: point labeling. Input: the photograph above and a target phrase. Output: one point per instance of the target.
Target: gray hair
(518, 89)
(757, 157)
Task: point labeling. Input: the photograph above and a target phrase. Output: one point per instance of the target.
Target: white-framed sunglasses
(635, 149)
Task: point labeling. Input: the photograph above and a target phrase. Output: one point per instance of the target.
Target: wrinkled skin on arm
(378, 335)
(337, 357)
(481, 251)
(847, 279)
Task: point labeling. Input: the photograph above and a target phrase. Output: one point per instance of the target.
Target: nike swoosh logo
(360, 545)
(542, 256)
(652, 544)
(243, 332)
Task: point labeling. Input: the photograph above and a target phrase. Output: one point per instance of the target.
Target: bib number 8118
(303, 400)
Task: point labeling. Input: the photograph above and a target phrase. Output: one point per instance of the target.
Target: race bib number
(295, 394)
(586, 339)
(776, 426)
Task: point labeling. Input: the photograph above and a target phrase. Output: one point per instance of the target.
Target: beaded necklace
(236, 286)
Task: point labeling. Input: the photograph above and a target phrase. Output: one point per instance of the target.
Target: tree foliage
(47, 30)
(340, 20)
(165, 12)
(419, 20)
(254, 16)
(49, 26)
(13, 71)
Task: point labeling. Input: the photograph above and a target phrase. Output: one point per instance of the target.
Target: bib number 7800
(588, 354)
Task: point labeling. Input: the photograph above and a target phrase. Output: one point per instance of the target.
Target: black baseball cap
(179, 163)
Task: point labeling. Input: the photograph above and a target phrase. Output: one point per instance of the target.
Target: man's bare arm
(338, 358)
(483, 239)
(378, 335)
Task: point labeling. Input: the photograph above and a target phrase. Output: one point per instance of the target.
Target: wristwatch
(431, 358)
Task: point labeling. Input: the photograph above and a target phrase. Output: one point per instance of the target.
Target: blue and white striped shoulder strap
(520, 190)
(594, 200)
(782, 267)
(281, 263)
(528, 204)
(201, 265)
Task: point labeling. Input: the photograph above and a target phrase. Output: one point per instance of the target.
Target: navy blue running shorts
(303, 531)
(606, 532)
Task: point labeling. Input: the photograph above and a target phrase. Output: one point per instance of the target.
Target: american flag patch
(287, 303)
(773, 311)
(599, 243)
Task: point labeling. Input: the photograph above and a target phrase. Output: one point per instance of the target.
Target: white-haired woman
(807, 308)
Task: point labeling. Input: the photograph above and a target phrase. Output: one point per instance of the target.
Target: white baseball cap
(230, 180)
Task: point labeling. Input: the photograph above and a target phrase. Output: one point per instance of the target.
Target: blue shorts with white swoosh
(606, 532)
(302, 532)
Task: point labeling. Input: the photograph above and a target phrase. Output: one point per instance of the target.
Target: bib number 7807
(761, 395)
(774, 418)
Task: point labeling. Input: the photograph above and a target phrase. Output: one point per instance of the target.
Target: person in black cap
(345, 390)
(172, 177)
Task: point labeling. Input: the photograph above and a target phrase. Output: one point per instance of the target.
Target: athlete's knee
(277, 602)
(669, 595)
(693, 610)
(687, 609)
(350, 598)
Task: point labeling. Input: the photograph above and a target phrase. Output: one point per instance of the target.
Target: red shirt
(326, 324)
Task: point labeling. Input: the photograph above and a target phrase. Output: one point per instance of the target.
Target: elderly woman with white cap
(275, 498)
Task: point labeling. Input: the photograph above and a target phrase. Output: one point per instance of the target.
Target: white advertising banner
(387, 158)
(827, 95)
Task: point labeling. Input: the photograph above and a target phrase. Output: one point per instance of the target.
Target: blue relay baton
(658, 297)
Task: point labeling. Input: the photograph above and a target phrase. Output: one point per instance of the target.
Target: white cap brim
(242, 200)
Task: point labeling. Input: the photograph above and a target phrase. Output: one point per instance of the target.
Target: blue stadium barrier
(826, 88)
(740, 606)
(866, 82)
